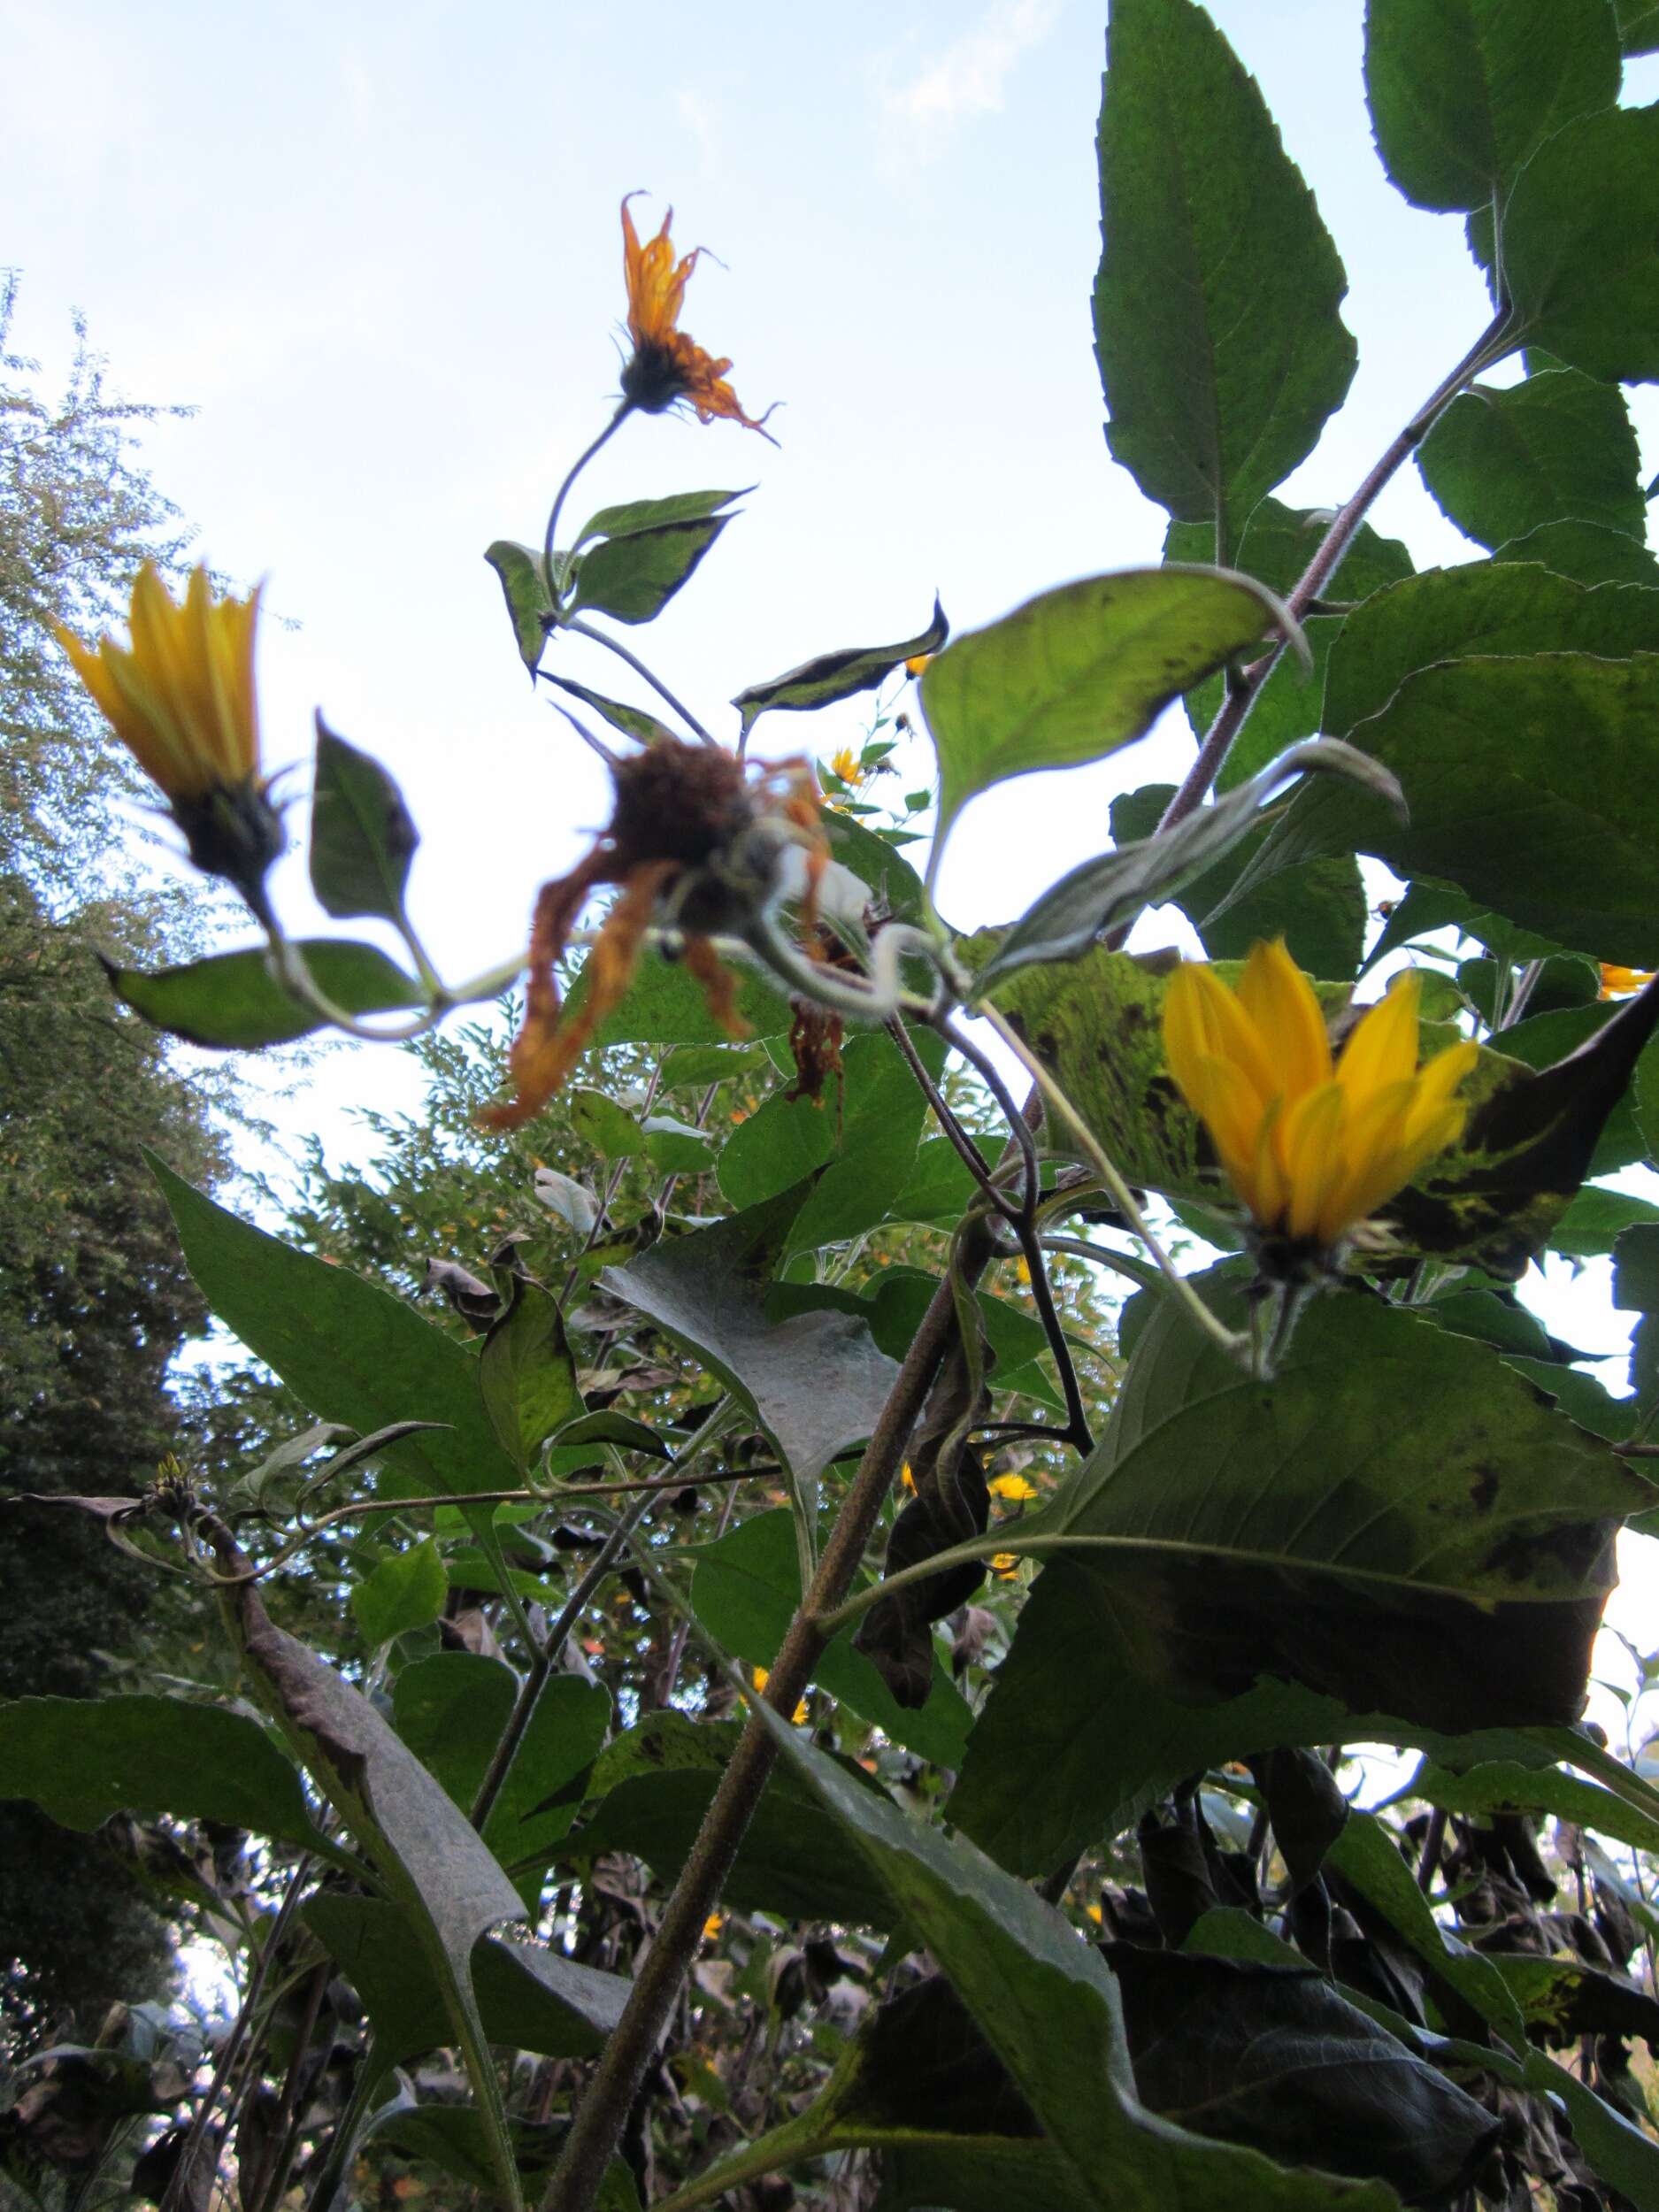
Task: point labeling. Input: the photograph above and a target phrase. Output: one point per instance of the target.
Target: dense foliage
(774, 1683)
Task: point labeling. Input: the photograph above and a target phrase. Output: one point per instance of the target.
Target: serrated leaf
(841, 675)
(1221, 347)
(1107, 893)
(1581, 246)
(1589, 552)
(1077, 672)
(1557, 447)
(405, 1591)
(231, 1002)
(363, 836)
(1463, 92)
(632, 578)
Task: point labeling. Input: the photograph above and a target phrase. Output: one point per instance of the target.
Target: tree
(1099, 1925)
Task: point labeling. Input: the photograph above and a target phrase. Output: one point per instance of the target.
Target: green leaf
(525, 1374)
(745, 1592)
(666, 1005)
(632, 721)
(1077, 672)
(707, 1291)
(530, 1996)
(1581, 246)
(1049, 2007)
(1221, 347)
(441, 1877)
(599, 1121)
(231, 1001)
(940, 1189)
(1624, 2157)
(701, 1064)
(1638, 26)
(635, 516)
(841, 675)
(82, 1759)
(1504, 1785)
(1589, 552)
(1278, 543)
(633, 578)
(1636, 1290)
(523, 576)
(405, 1591)
(1411, 1549)
(1462, 92)
(1595, 1220)
(363, 835)
(1558, 447)
(348, 1349)
(1320, 911)
(1485, 608)
(1109, 892)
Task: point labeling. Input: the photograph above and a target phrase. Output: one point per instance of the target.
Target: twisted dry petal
(655, 279)
(1280, 1004)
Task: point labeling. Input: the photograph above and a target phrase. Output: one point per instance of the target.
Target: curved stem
(578, 628)
(1081, 1248)
(616, 422)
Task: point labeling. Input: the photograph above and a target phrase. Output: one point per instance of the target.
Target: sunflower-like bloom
(180, 698)
(667, 364)
(1622, 982)
(1313, 1147)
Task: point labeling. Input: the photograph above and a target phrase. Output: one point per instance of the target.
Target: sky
(377, 250)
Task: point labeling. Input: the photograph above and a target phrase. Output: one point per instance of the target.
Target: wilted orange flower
(1621, 982)
(678, 845)
(1312, 1145)
(667, 364)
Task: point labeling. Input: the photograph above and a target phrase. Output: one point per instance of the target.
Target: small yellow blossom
(1022, 1273)
(761, 1677)
(667, 364)
(712, 1926)
(180, 698)
(917, 664)
(846, 763)
(1005, 1564)
(1014, 1488)
(1094, 1912)
(907, 1480)
(1621, 982)
(1311, 1146)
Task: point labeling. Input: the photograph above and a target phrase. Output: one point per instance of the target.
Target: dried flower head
(1312, 1145)
(666, 364)
(695, 842)
(180, 697)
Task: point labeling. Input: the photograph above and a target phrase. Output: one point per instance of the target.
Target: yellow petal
(1202, 1017)
(1309, 1145)
(1285, 1013)
(1383, 1046)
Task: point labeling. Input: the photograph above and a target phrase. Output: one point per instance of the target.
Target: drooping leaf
(438, 1873)
(1220, 343)
(363, 835)
(633, 577)
(745, 1592)
(83, 1759)
(634, 516)
(1581, 246)
(1501, 1786)
(814, 1382)
(525, 1374)
(1050, 2009)
(348, 1349)
(523, 577)
(1077, 672)
(1463, 92)
(1625, 2158)
(232, 1003)
(842, 674)
(1107, 893)
(1557, 447)
(633, 722)
(530, 1996)
(1320, 911)
(406, 1590)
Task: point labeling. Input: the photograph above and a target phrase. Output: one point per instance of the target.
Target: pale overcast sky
(378, 248)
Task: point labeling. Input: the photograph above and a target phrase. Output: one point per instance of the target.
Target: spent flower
(1313, 1144)
(180, 697)
(666, 364)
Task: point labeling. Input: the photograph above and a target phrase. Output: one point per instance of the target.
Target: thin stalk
(289, 2114)
(1081, 1248)
(1122, 1197)
(578, 628)
(615, 424)
(603, 2109)
(962, 1143)
(1243, 691)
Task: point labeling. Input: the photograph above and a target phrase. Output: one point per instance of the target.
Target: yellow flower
(1311, 1147)
(712, 1926)
(1014, 1488)
(906, 1478)
(1022, 1273)
(180, 698)
(846, 765)
(1621, 982)
(1005, 1565)
(667, 364)
(917, 664)
(762, 1676)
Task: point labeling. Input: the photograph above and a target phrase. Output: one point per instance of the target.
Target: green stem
(615, 424)
(580, 628)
